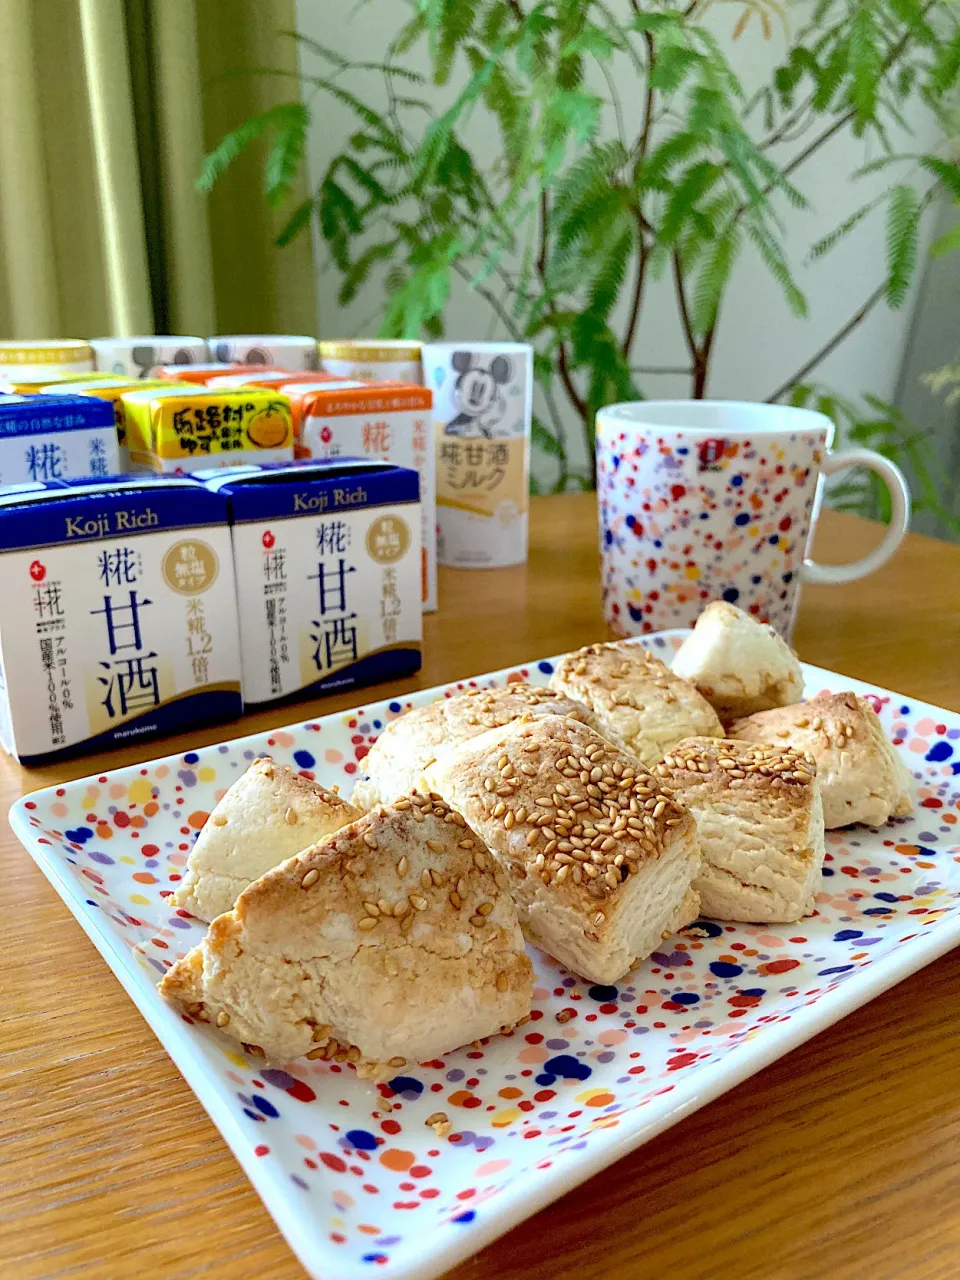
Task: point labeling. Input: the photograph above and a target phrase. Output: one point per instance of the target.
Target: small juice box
(328, 588)
(135, 357)
(180, 429)
(199, 374)
(120, 618)
(391, 422)
(286, 350)
(56, 438)
(111, 389)
(44, 358)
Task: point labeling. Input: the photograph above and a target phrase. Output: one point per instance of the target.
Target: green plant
(586, 200)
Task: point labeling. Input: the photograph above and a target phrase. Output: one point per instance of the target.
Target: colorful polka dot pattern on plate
(354, 1173)
(685, 519)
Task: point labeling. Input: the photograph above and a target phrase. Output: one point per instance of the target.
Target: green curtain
(106, 110)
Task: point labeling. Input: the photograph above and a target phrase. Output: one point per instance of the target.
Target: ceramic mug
(704, 500)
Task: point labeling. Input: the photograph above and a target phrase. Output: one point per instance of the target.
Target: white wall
(759, 343)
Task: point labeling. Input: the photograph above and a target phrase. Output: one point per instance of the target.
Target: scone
(397, 759)
(600, 857)
(393, 940)
(269, 814)
(738, 664)
(862, 778)
(760, 825)
(638, 702)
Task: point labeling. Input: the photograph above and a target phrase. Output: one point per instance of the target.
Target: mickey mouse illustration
(477, 395)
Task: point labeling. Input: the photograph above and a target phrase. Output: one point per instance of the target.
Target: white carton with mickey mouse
(482, 403)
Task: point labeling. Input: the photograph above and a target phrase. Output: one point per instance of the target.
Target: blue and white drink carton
(119, 619)
(328, 575)
(53, 437)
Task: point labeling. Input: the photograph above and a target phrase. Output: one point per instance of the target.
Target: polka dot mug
(702, 500)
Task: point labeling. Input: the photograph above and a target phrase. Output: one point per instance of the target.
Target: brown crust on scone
(570, 804)
(862, 776)
(727, 764)
(633, 693)
(386, 923)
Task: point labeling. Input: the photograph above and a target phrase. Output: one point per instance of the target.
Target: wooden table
(840, 1160)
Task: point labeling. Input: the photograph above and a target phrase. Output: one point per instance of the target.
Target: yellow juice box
(106, 388)
(179, 430)
(46, 358)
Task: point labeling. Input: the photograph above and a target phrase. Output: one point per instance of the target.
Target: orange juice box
(201, 373)
(107, 388)
(387, 421)
(36, 383)
(179, 429)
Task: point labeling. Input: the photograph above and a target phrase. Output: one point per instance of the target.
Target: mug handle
(896, 484)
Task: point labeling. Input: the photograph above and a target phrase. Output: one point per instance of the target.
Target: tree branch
(831, 345)
(684, 309)
(491, 300)
(643, 259)
(651, 369)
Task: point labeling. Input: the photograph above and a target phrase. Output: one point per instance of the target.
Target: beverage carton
(328, 581)
(135, 357)
(111, 389)
(119, 618)
(199, 374)
(56, 438)
(288, 351)
(43, 358)
(180, 429)
(389, 421)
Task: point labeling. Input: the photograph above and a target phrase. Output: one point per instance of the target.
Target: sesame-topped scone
(269, 814)
(738, 664)
(600, 856)
(862, 778)
(392, 941)
(760, 824)
(408, 744)
(638, 702)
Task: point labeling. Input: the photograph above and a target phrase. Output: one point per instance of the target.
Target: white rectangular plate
(358, 1190)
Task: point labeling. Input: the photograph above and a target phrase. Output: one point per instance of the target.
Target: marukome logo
(710, 454)
(268, 539)
(38, 571)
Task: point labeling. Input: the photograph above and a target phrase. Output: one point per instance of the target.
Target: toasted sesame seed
(477, 921)
(509, 819)
(371, 908)
(565, 1015)
(456, 900)
(425, 881)
(436, 877)
(402, 804)
(311, 878)
(291, 817)
(366, 924)
(320, 1052)
(219, 820)
(406, 923)
(369, 840)
(435, 846)
(403, 866)
(353, 1054)
(465, 844)
(484, 908)
(462, 887)
(419, 904)
(222, 1018)
(480, 860)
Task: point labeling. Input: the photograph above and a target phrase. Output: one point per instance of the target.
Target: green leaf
(823, 246)
(866, 65)
(545, 440)
(672, 66)
(286, 154)
(947, 243)
(298, 220)
(903, 231)
(713, 276)
(233, 144)
(609, 278)
(947, 171)
(359, 270)
(693, 185)
(777, 265)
